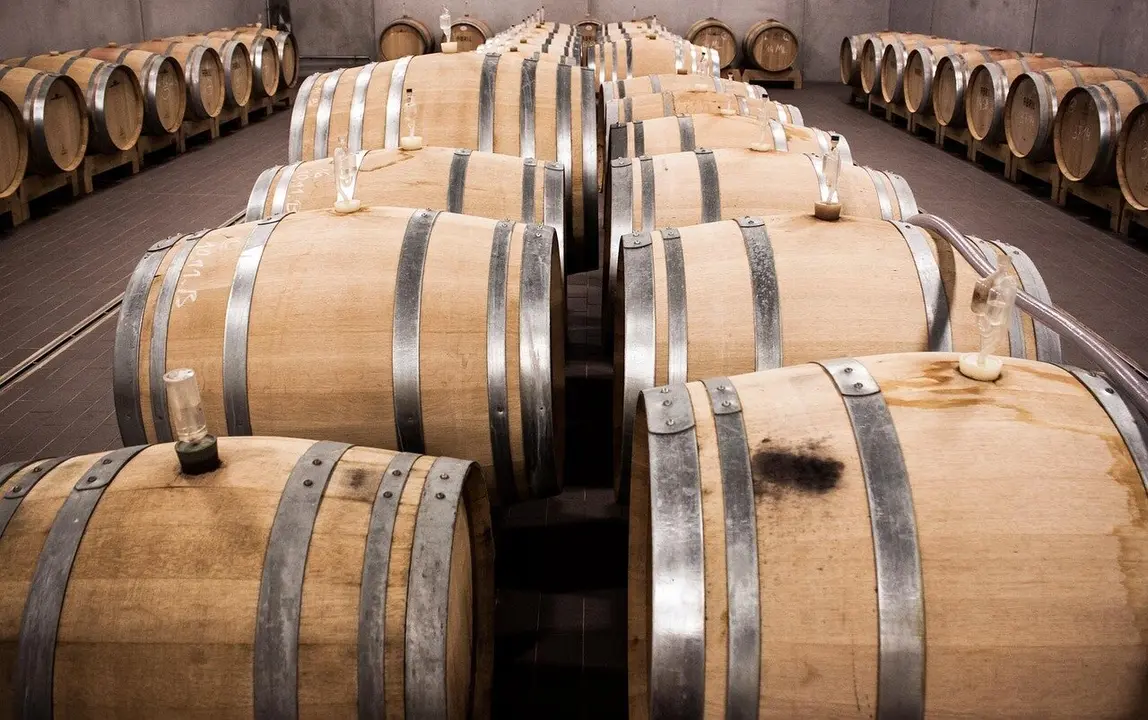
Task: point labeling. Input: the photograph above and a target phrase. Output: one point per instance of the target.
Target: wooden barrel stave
(203, 73)
(55, 115)
(771, 45)
(460, 181)
(405, 36)
(202, 570)
(265, 71)
(13, 147)
(989, 89)
(451, 398)
(714, 33)
(1035, 514)
(160, 77)
(1034, 101)
(653, 84)
(113, 95)
(451, 112)
(1089, 124)
(711, 185)
(804, 271)
(661, 136)
(951, 78)
(285, 48)
(641, 55)
(238, 69)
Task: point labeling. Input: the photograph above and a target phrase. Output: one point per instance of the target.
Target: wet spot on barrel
(805, 468)
(358, 477)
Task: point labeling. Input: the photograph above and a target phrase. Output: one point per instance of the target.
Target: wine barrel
(161, 79)
(670, 103)
(1089, 124)
(1034, 99)
(590, 30)
(114, 97)
(304, 577)
(405, 36)
(873, 51)
(327, 304)
(238, 72)
(264, 55)
(988, 92)
(784, 279)
(660, 136)
(1132, 158)
(850, 55)
(951, 78)
(652, 84)
(468, 101)
(469, 32)
(55, 116)
(13, 147)
(285, 48)
(710, 185)
(642, 55)
(458, 181)
(203, 72)
(714, 33)
(771, 46)
(895, 63)
(802, 539)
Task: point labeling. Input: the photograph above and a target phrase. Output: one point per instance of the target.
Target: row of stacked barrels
(768, 45)
(1091, 120)
(410, 36)
(768, 484)
(57, 107)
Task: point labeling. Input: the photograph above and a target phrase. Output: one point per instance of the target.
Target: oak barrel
(1034, 101)
(710, 185)
(460, 181)
(419, 330)
(161, 79)
(653, 84)
(238, 72)
(203, 74)
(849, 59)
(465, 101)
(951, 79)
(13, 147)
(640, 55)
(114, 97)
(714, 33)
(300, 577)
(405, 36)
(659, 136)
(897, 73)
(1089, 124)
(590, 30)
(265, 70)
(873, 537)
(757, 293)
(771, 45)
(670, 103)
(873, 51)
(55, 116)
(285, 47)
(1132, 158)
(989, 89)
(469, 32)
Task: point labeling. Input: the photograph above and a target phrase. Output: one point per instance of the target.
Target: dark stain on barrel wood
(805, 469)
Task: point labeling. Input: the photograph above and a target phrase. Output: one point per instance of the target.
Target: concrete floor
(561, 563)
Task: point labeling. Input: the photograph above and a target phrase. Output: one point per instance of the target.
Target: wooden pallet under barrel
(785, 78)
(37, 186)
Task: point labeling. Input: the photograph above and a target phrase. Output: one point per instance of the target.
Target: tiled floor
(561, 613)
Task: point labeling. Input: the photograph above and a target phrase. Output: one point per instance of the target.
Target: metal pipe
(1099, 350)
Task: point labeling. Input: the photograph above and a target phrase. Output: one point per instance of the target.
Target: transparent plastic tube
(184, 406)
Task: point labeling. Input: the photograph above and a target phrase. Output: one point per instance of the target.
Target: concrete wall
(28, 27)
(1103, 32)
